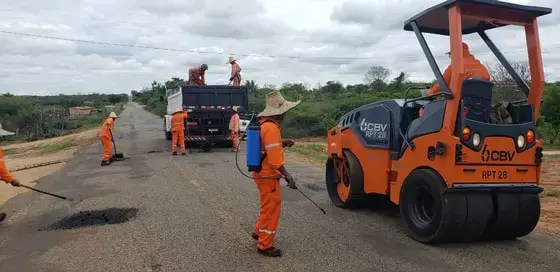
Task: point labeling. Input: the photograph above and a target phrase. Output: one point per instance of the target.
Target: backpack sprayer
(254, 159)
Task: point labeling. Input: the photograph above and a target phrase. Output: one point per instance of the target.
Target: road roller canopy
(477, 15)
(455, 18)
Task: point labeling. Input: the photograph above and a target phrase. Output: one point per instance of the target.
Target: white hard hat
(5, 132)
(113, 115)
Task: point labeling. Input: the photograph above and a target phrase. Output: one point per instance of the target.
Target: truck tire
(346, 191)
(167, 133)
(430, 216)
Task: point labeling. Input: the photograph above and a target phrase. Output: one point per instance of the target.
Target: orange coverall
(196, 76)
(234, 129)
(473, 69)
(5, 174)
(178, 131)
(269, 189)
(235, 74)
(105, 136)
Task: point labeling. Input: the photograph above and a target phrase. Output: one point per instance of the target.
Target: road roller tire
(346, 191)
(431, 216)
(515, 215)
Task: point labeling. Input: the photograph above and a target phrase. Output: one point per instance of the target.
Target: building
(81, 110)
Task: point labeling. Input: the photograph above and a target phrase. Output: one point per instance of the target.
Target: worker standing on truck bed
(106, 137)
(473, 69)
(196, 75)
(5, 174)
(178, 119)
(235, 72)
(272, 165)
(234, 128)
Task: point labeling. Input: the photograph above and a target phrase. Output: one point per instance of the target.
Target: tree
(398, 82)
(551, 111)
(376, 76)
(505, 88)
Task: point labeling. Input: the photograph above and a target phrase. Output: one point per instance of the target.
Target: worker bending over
(196, 75)
(473, 69)
(234, 128)
(5, 174)
(273, 168)
(106, 137)
(178, 119)
(235, 72)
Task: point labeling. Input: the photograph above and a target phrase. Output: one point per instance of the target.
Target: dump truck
(453, 172)
(209, 109)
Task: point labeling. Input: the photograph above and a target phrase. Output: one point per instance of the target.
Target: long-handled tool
(116, 156)
(311, 200)
(51, 194)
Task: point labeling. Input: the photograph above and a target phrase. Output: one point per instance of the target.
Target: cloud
(328, 40)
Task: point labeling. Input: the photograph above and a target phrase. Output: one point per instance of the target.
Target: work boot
(105, 163)
(2, 216)
(183, 154)
(255, 236)
(270, 252)
(174, 153)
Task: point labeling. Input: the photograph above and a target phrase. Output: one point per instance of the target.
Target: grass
(54, 147)
(551, 193)
(11, 151)
(313, 151)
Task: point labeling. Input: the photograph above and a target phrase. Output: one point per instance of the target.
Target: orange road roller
(454, 172)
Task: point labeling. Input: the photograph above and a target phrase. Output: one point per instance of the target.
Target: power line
(178, 50)
(416, 58)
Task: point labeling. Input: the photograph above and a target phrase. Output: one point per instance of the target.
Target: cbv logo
(496, 155)
(374, 127)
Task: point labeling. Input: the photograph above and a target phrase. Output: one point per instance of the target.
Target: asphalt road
(195, 213)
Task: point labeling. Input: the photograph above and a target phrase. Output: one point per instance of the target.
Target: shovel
(116, 156)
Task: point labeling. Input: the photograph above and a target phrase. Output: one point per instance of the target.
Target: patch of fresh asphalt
(195, 213)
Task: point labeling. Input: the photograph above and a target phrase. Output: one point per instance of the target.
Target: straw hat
(5, 132)
(235, 108)
(277, 105)
(230, 60)
(113, 115)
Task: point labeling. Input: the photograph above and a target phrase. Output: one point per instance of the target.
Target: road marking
(194, 183)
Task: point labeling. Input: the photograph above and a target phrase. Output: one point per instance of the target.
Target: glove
(231, 78)
(15, 183)
(291, 182)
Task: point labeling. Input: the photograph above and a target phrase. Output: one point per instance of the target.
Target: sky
(264, 36)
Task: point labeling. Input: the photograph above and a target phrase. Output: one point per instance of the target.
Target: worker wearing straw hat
(5, 174)
(235, 72)
(272, 165)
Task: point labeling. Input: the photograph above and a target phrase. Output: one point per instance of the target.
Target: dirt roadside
(312, 152)
(31, 161)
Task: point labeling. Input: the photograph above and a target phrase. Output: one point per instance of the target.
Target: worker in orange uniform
(196, 75)
(106, 137)
(273, 168)
(178, 119)
(234, 128)
(235, 72)
(5, 174)
(473, 69)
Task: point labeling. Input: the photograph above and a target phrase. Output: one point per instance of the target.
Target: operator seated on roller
(268, 178)
(5, 174)
(473, 69)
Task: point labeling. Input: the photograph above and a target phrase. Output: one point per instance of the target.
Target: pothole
(84, 219)
(315, 187)
(154, 151)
